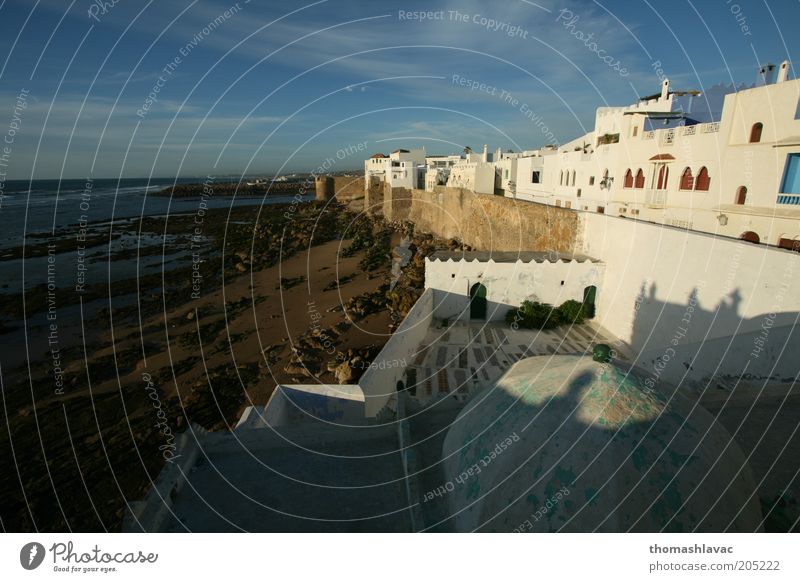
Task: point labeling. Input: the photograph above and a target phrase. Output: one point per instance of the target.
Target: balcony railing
(668, 136)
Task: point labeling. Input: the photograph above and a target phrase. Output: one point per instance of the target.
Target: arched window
(755, 132)
(628, 179)
(663, 177)
(573, 177)
(741, 195)
(750, 236)
(687, 180)
(561, 178)
(703, 180)
(639, 183)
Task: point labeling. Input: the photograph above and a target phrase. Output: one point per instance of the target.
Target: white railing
(655, 197)
(710, 127)
(648, 135)
(690, 130)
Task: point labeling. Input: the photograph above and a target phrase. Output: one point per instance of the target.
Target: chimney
(498, 155)
(485, 153)
(783, 71)
(664, 89)
(765, 75)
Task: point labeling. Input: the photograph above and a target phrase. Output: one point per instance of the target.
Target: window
(750, 236)
(561, 178)
(628, 179)
(558, 202)
(635, 130)
(536, 177)
(601, 210)
(506, 173)
(573, 177)
(687, 180)
(639, 182)
(741, 195)
(568, 204)
(755, 132)
(663, 177)
(788, 243)
(703, 180)
(578, 193)
(791, 176)
(591, 180)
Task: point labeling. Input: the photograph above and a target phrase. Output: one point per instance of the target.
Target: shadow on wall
(459, 307)
(568, 444)
(678, 342)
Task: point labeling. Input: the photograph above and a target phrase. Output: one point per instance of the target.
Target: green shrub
(572, 311)
(534, 315)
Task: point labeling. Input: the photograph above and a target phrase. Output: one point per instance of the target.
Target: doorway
(589, 297)
(477, 302)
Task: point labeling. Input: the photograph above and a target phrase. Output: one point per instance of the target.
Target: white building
(725, 162)
(401, 169)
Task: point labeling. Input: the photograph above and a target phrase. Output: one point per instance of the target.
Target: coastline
(292, 294)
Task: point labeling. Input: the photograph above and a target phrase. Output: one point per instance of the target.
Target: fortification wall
(345, 188)
(348, 188)
(488, 222)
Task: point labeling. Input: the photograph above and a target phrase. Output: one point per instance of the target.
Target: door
(589, 296)
(477, 302)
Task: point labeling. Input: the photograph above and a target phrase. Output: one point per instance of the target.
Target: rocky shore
(238, 189)
(295, 293)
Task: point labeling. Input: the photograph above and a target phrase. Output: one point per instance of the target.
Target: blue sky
(286, 85)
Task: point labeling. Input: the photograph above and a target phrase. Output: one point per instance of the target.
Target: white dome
(567, 443)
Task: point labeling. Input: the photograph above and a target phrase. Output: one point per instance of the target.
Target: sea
(41, 206)
(43, 211)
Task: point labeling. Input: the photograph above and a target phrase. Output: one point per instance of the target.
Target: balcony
(655, 198)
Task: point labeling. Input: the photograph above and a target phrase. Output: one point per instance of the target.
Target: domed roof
(567, 443)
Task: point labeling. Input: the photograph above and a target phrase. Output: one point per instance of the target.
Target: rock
(241, 267)
(344, 373)
(190, 315)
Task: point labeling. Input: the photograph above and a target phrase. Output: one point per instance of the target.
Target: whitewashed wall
(379, 382)
(693, 304)
(507, 284)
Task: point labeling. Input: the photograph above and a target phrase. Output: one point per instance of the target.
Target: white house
(726, 161)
